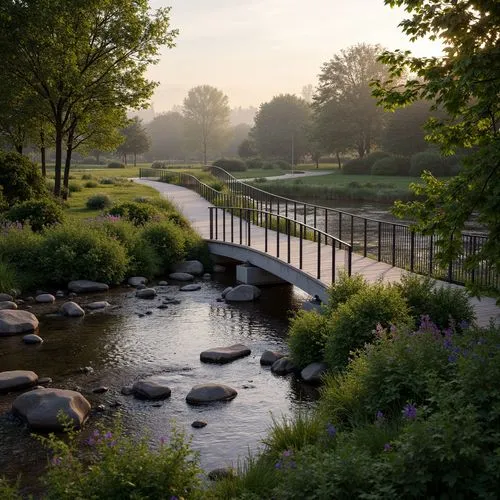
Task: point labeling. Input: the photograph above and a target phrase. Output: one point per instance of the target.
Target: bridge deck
(195, 209)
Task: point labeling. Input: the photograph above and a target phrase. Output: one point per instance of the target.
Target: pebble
(199, 424)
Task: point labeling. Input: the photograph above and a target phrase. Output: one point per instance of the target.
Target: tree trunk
(19, 148)
(98, 157)
(42, 153)
(338, 160)
(204, 152)
(57, 168)
(135, 159)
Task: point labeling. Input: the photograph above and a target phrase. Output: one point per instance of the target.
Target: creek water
(122, 347)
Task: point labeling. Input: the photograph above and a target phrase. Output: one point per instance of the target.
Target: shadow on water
(136, 339)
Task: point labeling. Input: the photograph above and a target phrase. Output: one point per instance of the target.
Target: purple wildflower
(111, 444)
(379, 418)
(278, 464)
(331, 430)
(108, 435)
(56, 460)
(91, 441)
(163, 440)
(287, 453)
(173, 497)
(387, 447)
(410, 411)
(96, 433)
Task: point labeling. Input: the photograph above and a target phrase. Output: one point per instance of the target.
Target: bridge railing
(394, 243)
(280, 236)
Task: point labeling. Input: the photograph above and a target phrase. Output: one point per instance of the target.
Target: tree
(206, 110)
(136, 140)
(76, 56)
(282, 128)
(236, 136)
(465, 82)
(167, 133)
(246, 149)
(344, 97)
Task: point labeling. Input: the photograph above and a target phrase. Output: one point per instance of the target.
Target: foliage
(91, 184)
(120, 467)
(231, 165)
(307, 337)
(74, 187)
(137, 213)
(8, 280)
(464, 83)
(353, 323)
(284, 165)
(39, 214)
(81, 252)
(427, 160)
(9, 492)
(391, 165)
(98, 202)
(247, 149)
(136, 140)
(282, 127)
(167, 131)
(20, 179)
(115, 164)
(363, 165)
(343, 289)
(253, 163)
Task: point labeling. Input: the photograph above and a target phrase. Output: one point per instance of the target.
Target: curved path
(307, 173)
(195, 209)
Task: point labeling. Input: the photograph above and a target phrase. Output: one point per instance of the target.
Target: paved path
(195, 209)
(308, 173)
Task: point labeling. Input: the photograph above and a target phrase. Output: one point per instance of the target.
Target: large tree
(282, 128)
(135, 140)
(465, 82)
(206, 110)
(167, 133)
(76, 56)
(344, 101)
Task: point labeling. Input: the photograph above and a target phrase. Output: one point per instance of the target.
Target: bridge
(293, 241)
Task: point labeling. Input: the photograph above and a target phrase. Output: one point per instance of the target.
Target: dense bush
(363, 165)
(307, 337)
(80, 251)
(39, 214)
(231, 165)
(98, 202)
(284, 165)
(74, 187)
(426, 160)
(8, 280)
(86, 177)
(343, 289)
(354, 322)
(91, 184)
(115, 164)
(253, 163)
(268, 165)
(159, 164)
(137, 213)
(391, 165)
(20, 179)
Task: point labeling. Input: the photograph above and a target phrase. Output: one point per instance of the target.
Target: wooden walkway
(196, 210)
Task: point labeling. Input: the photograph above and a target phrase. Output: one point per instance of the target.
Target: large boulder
(146, 293)
(313, 373)
(16, 380)
(283, 366)
(181, 276)
(72, 309)
(41, 408)
(242, 293)
(152, 388)
(86, 286)
(222, 355)
(210, 393)
(45, 298)
(16, 321)
(269, 357)
(7, 304)
(6, 296)
(137, 280)
(189, 266)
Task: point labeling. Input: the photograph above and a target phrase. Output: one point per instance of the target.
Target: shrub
(391, 165)
(343, 289)
(86, 177)
(284, 165)
(81, 252)
(91, 184)
(8, 491)
(353, 323)
(231, 165)
(20, 178)
(159, 164)
(98, 202)
(253, 163)
(357, 166)
(426, 160)
(8, 280)
(137, 213)
(260, 180)
(167, 239)
(268, 165)
(307, 337)
(107, 181)
(74, 187)
(115, 164)
(39, 214)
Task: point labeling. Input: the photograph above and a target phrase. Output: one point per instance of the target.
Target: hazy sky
(255, 49)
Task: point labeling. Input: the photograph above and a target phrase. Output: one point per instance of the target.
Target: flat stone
(314, 372)
(16, 321)
(219, 269)
(44, 380)
(7, 304)
(41, 408)
(210, 393)
(146, 293)
(226, 291)
(71, 309)
(188, 266)
(283, 366)
(127, 390)
(98, 305)
(207, 276)
(190, 288)
(163, 283)
(100, 390)
(86, 286)
(162, 306)
(32, 339)
(269, 357)
(199, 424)
(137, 280)
(60, 294)
(222, 355)
(45, 298)
(6, 297)
(181, 276)
(152, 388)
(242, 293)
(16, 380)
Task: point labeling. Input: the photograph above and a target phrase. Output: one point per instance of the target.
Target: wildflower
(331, 430)
(91, 441)
(96, 433)
(163, 440)
(379, 418)
(410, 411)
(173, 497)
(108, 435)
(387, 447)
(292, 465)
(463, 325)
(111, 444)
(278, 464)
(56, 460)
(287, 453)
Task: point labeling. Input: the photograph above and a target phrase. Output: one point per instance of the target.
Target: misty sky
(255, 49)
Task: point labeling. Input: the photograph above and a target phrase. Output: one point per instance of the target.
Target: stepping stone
(181, 276)
(6, 297)
(72, 310)
(199, 424)
(152, 388)
(86, 286)
(8, 304)
(32, 339)
(98, 305)
(225, 291)
(16, 321)
(190, 288)
(269, 357)
(283, 366)
(16, 380)
(41, 408)
(45, 298)
(242, 293)
(146, 293)
(189, 266)
(163, 283)
(210, 393)
(137, 280)
(222, 355)
(207, 276)
(100, 390)
(314, 372)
